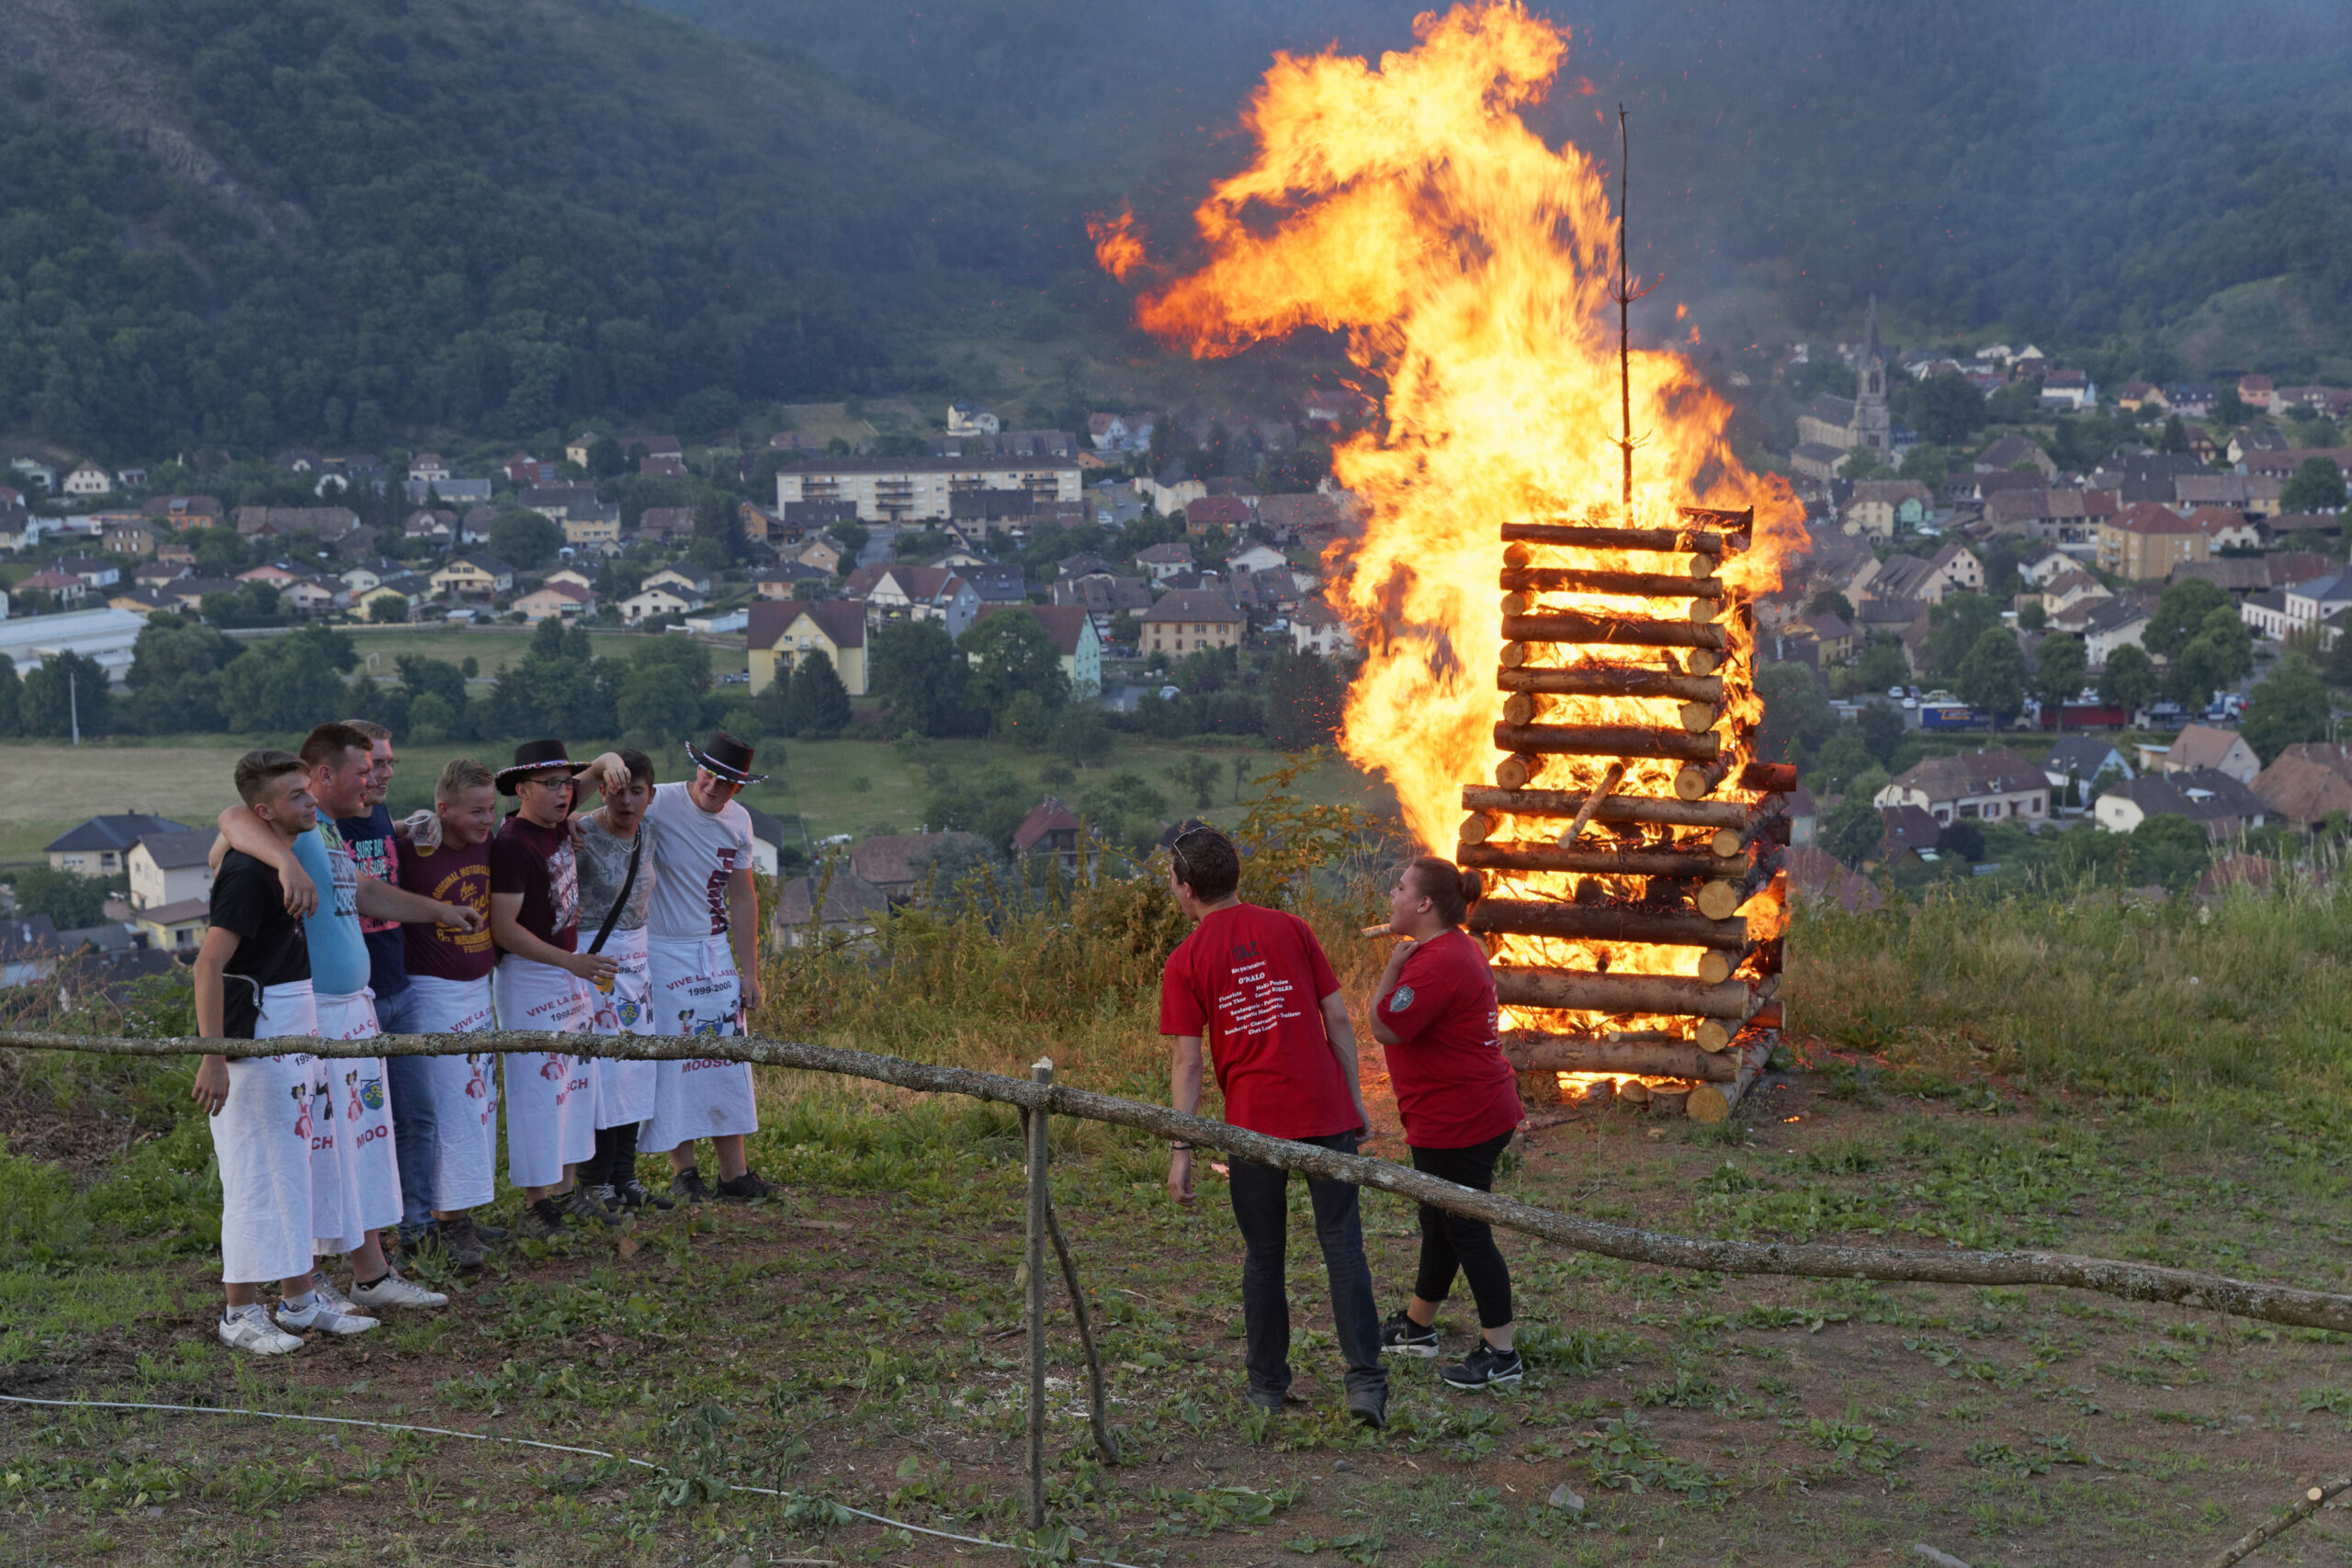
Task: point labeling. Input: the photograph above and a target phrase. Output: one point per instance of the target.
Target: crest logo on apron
(371, 1093)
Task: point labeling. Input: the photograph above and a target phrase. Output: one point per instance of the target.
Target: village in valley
(2075, 610)
(2072, 611)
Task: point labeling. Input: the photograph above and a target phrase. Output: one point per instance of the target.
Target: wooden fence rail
(2131, 1281)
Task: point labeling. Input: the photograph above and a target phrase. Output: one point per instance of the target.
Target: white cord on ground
(522, 1442)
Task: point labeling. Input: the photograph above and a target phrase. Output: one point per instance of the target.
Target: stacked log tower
(1630, 843)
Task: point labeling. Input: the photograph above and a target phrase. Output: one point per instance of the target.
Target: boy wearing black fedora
(702, 956)
(543, 982)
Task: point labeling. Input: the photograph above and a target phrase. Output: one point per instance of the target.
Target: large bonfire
(1469, 267)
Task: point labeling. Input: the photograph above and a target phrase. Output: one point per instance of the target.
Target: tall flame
(1411, 209)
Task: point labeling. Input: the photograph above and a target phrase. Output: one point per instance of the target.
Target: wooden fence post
(1042, 1072)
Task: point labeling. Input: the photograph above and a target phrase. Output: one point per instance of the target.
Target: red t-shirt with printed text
(1453, 1085)
(1251, 982)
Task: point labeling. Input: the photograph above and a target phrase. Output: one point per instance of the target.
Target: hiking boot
(248, 1328)
(491, 1234)
(1486, 1368)
(632, 1194)
(462, 1241)
(322, 1315)
(392, 1290)
(1369, 1409)
(747, 1188)
(688, 1187)
(1400, 1335)
(587, 1203)
(542, 1220)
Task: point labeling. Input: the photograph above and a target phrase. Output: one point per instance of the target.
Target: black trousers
(1261, 1209)
(1452, 1244)
(615, 1160)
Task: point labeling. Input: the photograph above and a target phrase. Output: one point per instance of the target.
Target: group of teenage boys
(331, 919)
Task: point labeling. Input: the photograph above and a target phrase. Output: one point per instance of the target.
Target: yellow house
(781, 631)
(1187, 620)
(2145, 541)
(595, 530)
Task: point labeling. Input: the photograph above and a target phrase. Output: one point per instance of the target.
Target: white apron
(624, 1090)
(366, 1188)
(550, 1105)
(262, 1141)
(465, 1092)
(696, 992)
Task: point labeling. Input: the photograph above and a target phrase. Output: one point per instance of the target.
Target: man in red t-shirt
(1255, 982)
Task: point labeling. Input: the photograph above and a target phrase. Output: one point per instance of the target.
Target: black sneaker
(491, 1234)
(542, 1220)
(582, 1204)
(1400, 1335)
(1486, 1368)
(632, 1194)
(1368, 1410)
(745, 1188)
(688, 1187)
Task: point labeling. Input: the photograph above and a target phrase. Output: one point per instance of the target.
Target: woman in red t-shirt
(1434, 1011)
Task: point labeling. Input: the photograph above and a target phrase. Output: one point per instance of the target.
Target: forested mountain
(250, 221)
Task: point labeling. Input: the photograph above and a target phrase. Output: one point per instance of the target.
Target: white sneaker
(248, 1328)
(320, 1315)
(391, 1291)
(323, 1287)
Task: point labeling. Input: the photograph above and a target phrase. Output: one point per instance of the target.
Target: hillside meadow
(2052, 1067)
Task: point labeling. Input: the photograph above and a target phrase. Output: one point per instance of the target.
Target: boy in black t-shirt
(253, 981)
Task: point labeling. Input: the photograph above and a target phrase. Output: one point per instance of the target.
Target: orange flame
(1117, 246)
(1411, 209)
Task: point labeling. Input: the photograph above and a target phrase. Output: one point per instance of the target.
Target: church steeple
(1872, 424)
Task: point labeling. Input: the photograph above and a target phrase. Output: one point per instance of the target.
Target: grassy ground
(2041, 1071)
(838, 786)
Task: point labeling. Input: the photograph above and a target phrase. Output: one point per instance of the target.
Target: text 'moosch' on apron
(465, 1091)
(369, 1191)
(262, 1140)
(624, 1090)
(696, 992)
(550, 1106)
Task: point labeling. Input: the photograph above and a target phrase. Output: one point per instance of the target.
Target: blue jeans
(417, 1133)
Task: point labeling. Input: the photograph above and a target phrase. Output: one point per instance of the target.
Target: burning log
(1513, 771)
(1576, 626)
(1714, 1034)
(1607, 740)
(1631, 584)
(1603, 863)
(1612, 680)
(1695, 783)
(1610, 779)
(1584, 991)
(1566, 1054)
(1605, 922)
(1721, 901)
(1713, 1099)
(1613, 808)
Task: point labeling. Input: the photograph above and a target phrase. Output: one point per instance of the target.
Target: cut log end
(1719, 900)
(1479, 826)
(1709, 1103)
(1514, 772)
(1726, 841)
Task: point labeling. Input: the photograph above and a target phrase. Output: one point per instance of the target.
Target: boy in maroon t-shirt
(1255, 982)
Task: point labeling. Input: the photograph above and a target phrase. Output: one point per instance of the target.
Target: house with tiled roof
(100, 846)
(2145, 541)
(2309, 782)
(1189, 621)
(2213, 800)
(1990, 786)
(781, 632)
